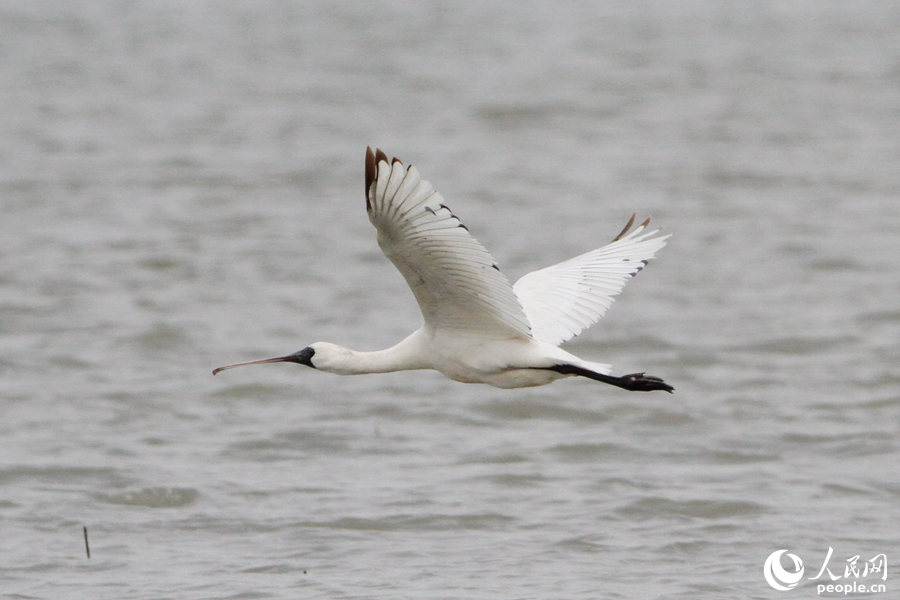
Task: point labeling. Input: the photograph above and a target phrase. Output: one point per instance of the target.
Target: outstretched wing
(455, 280)
(563, 300)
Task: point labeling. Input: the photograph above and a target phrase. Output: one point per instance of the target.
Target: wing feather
(563, 300)
(454, 279)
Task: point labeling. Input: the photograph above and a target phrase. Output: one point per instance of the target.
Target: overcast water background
(181, 187)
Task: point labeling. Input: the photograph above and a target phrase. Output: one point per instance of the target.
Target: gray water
(181, 188)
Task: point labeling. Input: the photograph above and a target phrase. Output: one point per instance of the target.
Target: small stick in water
(87, 548)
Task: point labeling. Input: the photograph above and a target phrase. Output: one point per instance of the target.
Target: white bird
(478, 328)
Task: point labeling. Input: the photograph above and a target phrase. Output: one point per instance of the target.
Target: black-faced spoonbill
(478, 328)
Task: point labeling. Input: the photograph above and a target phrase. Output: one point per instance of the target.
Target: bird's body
(510, 363)
(477, 327)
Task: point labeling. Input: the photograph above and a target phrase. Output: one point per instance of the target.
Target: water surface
(181, 188)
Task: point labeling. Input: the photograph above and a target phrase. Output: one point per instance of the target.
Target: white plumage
(563, 300)
(478, 328)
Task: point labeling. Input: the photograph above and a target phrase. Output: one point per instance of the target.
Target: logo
(777, 576)
(860, 576)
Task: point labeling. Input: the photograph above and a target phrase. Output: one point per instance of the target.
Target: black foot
(638, 382)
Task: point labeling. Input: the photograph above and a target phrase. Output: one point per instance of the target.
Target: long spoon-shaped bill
(303, 357)
(290, 358)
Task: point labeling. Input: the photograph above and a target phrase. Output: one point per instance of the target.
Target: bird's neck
(407, 355)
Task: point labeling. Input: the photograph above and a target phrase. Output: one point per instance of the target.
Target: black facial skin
(303, 357)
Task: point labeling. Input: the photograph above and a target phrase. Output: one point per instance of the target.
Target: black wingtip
(627, 227)
(372, 161)
(370, 173)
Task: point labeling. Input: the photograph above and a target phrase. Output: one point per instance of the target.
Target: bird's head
(323, 356)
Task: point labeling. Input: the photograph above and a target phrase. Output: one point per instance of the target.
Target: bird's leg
(635, 382)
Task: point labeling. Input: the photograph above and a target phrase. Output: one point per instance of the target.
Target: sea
(181, 187)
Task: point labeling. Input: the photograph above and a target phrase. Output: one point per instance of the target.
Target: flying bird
(477, 327)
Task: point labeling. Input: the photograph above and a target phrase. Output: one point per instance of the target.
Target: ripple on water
(702, 509)
(795, 345)
(584, 544)
(287, 445)
(242, 391)
(734, 457)
(514, 480)
(420, 522)
(525, 409)
(839, 489)
(276, 569)
(587, 452)
(844, 445)
(62, 474)
(503, 458)
(154, 497)
(882, 316)
(692, 548)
